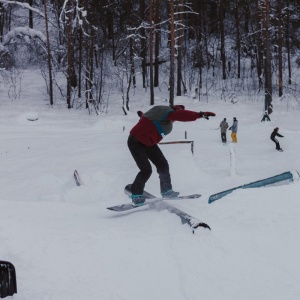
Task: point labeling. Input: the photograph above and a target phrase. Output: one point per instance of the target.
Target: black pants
(223, 137)
(142, 156)
(277, 143)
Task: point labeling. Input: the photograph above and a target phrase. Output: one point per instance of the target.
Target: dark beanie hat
(176, 107)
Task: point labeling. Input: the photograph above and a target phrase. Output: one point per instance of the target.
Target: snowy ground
(66, 245)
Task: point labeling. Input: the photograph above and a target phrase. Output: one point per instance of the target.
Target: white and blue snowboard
(150, 199)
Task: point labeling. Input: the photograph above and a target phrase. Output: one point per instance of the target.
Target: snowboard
(77, 178)
(150, 199)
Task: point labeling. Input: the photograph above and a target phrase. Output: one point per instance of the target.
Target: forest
(86, 49)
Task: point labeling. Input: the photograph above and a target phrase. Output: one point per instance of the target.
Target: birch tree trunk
(48, 55)
(30, 2)
(280, 88)
(179, 47)
(238, 37)
(172, 52)
(70, 52)
(151, 52)
(143, 52)
(265, 7)
(259, 45)
(287, 41)
(222, 33)
(157, 41)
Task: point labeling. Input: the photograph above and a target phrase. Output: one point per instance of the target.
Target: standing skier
(273, 138)
(142, 143)
(223, 127)
(234, 128)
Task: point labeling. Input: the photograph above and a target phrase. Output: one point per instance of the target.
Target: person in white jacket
(234, 129)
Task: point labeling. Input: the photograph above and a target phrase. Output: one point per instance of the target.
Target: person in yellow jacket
(234, 129)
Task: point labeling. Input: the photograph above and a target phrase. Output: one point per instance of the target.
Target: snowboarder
(273, 138)
(234, 128)
(142, 143)
(266, 117)
(223, 127)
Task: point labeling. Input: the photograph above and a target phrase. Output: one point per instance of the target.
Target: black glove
(139, 113)
(206, 114)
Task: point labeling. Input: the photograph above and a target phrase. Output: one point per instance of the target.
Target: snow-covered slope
(66, 245)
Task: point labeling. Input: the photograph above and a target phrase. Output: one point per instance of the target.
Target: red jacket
(149, 132)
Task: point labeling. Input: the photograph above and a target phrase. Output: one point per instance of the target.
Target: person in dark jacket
(273, 138)
(142, 143)
(223, 127)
